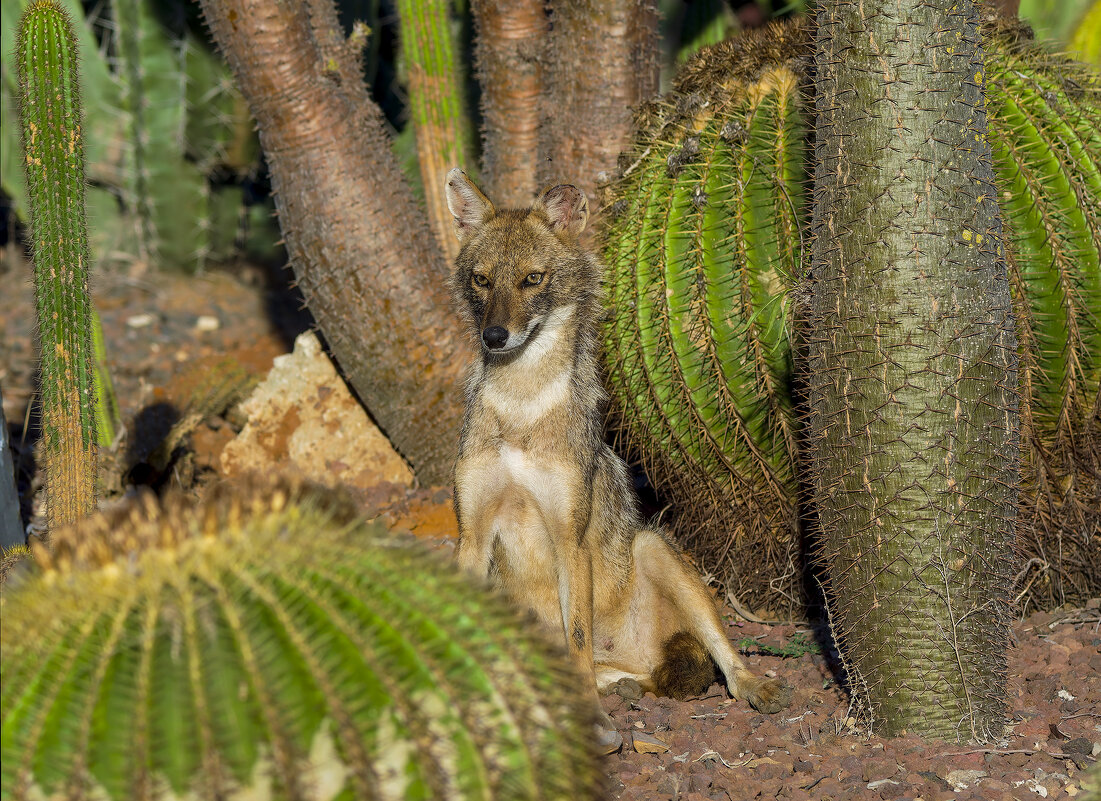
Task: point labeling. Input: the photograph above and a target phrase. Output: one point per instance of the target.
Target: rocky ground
(715, 748)
(173, 340)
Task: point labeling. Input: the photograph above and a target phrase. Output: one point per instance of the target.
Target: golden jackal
(545, 508)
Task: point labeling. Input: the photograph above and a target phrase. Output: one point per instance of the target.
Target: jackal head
(516, 268)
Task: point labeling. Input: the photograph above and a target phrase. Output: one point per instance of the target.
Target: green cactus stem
(441, 124)
(53, 145)
(267, 644)
(108, 416)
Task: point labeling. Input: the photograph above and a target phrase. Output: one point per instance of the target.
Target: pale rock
(303, 419)
(648, 744)
(962, 779)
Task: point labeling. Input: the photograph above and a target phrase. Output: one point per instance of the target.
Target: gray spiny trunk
(912, 367)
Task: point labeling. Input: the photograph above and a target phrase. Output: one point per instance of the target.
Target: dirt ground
(168, 334)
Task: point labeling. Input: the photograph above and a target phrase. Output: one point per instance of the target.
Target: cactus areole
(53, 147)
(266, 645)
(913, 408)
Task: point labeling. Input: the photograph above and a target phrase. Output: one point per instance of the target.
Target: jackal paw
(628, 688)
(766, 695)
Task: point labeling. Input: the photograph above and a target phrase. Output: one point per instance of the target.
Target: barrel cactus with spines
(266, 643)
(1047, 158)
(705, 245)
(53, 150)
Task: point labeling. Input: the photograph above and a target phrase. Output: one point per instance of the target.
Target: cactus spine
(53, 144)
(268, 643)
(735, 479)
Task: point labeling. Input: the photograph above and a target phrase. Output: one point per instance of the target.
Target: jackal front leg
(575, 595)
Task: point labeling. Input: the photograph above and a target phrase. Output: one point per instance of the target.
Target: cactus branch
(441, 124)
(53, 143)
(605, 62)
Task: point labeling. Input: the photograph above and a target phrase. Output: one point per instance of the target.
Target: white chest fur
(524, 391)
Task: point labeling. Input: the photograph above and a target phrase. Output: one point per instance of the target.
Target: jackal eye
(480, 280)
(533, 279)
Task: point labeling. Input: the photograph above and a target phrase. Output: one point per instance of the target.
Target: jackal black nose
(494, 337)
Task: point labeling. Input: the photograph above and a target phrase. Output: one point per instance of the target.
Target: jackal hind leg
(663, 567)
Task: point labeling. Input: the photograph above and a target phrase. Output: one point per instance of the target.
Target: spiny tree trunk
(604, 58)
(912, 372)
(362, 253)
(510, 37)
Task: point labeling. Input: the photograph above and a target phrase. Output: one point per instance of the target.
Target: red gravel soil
(164, 330)
(716, 748)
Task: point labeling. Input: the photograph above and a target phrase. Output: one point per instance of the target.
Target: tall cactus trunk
(605, 58)
(912, 367)
(362, 253)
(508, 50)
(53, 144)
(440, 122)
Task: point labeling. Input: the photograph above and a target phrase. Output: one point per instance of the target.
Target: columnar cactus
(267, 643)
(705, 243)
(441, 124)
(53, 144)
(165, 126)
(912, 403)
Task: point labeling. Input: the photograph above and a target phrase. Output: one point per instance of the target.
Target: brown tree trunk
(605, 61)
(511, 37)
(363, 255)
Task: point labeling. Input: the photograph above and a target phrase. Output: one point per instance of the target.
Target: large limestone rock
(302, 418)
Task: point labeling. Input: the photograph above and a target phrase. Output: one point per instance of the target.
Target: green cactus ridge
(705, 238)
(53, 147)
(266, 642)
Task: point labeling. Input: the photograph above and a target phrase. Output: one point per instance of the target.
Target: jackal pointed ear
(566, 208)
(468, 206)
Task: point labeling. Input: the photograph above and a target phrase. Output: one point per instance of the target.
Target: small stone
(962, 779)
(880, 783)
(648, 744)
(1079, 745)
(669, 785)
(140, 320)
(207, 322)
